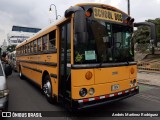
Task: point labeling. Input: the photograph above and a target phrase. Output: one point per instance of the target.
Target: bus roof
(53, 25)
(100, 4)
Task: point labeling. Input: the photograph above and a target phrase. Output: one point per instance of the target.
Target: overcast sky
(35, 13)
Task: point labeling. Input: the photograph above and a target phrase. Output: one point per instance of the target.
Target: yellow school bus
(83, 60)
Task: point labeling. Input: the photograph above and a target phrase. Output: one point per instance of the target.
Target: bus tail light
(88, 75)
(129, 21)
(88, 12)
(126, 20)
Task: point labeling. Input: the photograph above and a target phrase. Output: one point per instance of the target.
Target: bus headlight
(88, 75)
(83, 92)
(91, 91)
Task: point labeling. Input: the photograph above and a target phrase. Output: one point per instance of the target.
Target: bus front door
(64, 64)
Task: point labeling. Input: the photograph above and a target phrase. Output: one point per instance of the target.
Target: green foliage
(157, 23)
(11, 48)
(142, 34)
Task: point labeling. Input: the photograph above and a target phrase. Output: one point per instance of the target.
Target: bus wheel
(47, 89)
(20, 74)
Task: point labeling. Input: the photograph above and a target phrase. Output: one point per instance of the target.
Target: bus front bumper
(101, 100)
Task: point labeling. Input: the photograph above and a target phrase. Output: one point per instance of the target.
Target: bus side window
(52, 39)
(29, 46)
(25, 48)
(44, 42)
(32, 46)
(21, 48)
(35, 46)
(39, 44)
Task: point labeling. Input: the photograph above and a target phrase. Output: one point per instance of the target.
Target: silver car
(5, 70)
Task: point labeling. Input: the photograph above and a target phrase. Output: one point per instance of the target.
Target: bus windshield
(107, 43)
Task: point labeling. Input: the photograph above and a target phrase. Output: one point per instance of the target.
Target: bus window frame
(39, 44)
(54, 39)
(35, 46)
(44, 45)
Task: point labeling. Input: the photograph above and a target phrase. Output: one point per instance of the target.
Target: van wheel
(20, 74)
(47, 89)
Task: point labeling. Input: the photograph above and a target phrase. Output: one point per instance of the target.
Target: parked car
(5, 71)
(12, 60)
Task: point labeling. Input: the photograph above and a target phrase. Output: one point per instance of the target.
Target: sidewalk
(149, 78)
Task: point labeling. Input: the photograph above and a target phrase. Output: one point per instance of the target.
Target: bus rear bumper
(92, 102)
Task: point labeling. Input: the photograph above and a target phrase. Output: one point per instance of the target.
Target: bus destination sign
(107, 15)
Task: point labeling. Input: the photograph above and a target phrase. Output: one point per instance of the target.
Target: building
(19, 34)
(4, 45)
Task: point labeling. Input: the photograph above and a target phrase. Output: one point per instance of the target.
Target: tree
(142, 34)
(11, 48)
(157, 23)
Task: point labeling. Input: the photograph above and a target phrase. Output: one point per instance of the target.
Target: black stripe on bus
(38, 53)
(103, 65)
(41, 63)
(53, 75)
(34, 69)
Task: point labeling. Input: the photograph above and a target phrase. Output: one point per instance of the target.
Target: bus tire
(20, 73)
(47, 89)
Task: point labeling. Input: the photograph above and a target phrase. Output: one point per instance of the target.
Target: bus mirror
(71, 10)
(80, 24)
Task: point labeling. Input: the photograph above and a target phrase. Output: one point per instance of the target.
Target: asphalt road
(25, 96)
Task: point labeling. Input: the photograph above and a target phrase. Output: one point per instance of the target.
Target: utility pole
(128, 7)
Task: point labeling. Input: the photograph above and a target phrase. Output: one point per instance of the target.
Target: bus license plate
(115, 87)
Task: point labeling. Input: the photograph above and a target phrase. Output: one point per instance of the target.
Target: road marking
(149, 97)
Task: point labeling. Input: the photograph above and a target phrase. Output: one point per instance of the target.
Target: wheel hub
(47, 88)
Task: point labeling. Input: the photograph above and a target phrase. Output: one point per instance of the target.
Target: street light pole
(55, 10)
(128, 7)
